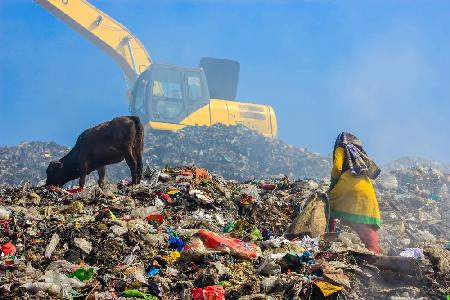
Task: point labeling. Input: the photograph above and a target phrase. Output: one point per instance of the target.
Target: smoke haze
(376, 68)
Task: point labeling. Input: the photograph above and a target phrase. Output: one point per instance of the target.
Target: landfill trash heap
(415, 207)
(234, 152)
(184, 233)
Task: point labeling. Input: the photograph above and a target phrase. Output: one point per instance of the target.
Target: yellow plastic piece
(327, 288)
(172, 257)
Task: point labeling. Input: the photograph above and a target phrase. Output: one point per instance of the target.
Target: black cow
(105, 144)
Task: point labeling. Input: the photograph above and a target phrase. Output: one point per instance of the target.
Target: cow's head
(55, 173)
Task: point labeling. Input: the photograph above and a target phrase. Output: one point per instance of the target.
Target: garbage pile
(185, 233)
(28, 161)
(415, 206)
(414, 161)
(234, 152)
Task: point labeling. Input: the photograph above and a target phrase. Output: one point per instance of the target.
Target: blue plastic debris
(307, 258)
(153, 271)
(176, 243)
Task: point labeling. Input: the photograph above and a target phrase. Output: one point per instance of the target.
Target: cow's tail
(138, 147)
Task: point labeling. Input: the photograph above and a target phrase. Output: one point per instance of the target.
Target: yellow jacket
(352, 198)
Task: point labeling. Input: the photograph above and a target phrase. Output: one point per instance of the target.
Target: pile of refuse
(28, 162)
(185, 233)
(415, 206)
(234, 152)
(415, 161)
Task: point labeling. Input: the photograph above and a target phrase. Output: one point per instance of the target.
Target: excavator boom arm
(103, 31)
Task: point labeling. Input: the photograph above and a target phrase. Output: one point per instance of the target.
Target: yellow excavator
(167, 97)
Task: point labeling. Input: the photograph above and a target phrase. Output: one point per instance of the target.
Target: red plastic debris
(74, 191)
(212, 292)
(158, 218)
(226, 244)
(4, 224)
(8, 248)
(165, 197)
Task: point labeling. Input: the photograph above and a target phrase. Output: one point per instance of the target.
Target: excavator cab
(168, 94)
(168, 97)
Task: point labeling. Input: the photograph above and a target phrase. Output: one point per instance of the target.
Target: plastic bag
(8, 248)
(222, 243)
(412, 252)
(212, 292)
(83, 274)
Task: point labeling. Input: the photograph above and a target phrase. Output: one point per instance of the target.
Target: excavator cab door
(139, 95)
(167, 103)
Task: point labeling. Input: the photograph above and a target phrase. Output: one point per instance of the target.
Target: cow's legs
(101, 176)
(140, 166)
(132, 164)
(83, 173)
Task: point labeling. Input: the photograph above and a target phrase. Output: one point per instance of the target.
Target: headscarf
(356, 159)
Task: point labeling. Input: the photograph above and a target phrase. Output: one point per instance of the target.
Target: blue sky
(377, 68)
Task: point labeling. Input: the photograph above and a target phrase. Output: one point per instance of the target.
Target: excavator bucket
(222, 76)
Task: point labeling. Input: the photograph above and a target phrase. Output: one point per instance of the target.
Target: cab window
(194, 86)
(167, 84)
(168, 94)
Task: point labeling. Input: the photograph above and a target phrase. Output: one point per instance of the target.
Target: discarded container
(51, 245)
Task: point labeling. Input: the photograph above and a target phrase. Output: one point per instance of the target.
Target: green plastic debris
(205, 182)
(255, 235)
(228, 227)
(434, 197)
(448, 297)
(222, 282)
(138, 294)
(83, 274)
(170, 231)
(447, 246)
(112, 215)
(74, 293)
